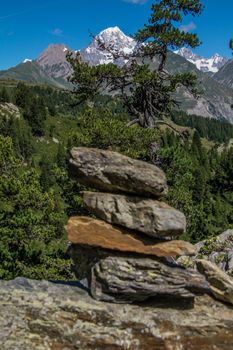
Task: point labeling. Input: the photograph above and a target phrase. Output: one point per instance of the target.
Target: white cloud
(136, 1)
(186, 28)
(57, 32)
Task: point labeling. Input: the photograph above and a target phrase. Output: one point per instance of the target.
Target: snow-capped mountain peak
(115, 41)
(212, 64)
(115, 34)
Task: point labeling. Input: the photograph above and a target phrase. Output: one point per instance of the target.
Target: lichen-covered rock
(114, 172)
(97, 233)
(220, 283)
(40, 315)
(226, 237)
(218, 250)
(149, 216)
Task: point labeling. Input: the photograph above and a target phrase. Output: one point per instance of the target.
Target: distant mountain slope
(212, 64)
(53, 61)
(225, 74)
(31, 72)
(52, 68)
(216, 99)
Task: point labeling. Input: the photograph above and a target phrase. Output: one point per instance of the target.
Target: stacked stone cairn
(127, 254)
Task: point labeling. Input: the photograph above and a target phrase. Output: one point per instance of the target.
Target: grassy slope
(31, 72)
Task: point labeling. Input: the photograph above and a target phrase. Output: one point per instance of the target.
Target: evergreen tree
(47, 177)
(151, 92)
(4, 95)
(32, 243)
(22, 95)
(61, 156)
(231, 44)
(20, 132)
(35, 113)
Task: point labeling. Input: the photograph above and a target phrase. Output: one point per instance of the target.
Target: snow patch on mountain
(212, 64)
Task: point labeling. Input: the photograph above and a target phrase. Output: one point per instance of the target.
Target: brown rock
(97, 233)
(220, 283)
(113, 172)
(149, 216)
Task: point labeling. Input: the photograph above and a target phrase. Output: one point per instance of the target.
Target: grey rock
(114, 172)
(151, 217)
(218, 250)
(199, 245)
(49, 316)
(220, 283)
(226, 237)
(128, 278)
(230, 262)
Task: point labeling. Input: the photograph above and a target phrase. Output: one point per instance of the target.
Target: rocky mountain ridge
(225, 74)
(53, 61)
(212, 64)
(51, 67)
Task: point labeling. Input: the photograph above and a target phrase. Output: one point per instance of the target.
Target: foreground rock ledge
(154, 218)
(113, 172)
(47, 316)
(96, 233)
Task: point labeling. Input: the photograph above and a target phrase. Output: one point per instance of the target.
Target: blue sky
(27, 27)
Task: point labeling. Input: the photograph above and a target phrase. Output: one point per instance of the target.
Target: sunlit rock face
(48, 316)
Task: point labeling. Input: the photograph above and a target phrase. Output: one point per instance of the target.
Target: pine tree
(22, 95)
(61, 156)
(32, 243)
(35, 113)
(4, 95)
(47, 177)
(151, 91)
(231, 44)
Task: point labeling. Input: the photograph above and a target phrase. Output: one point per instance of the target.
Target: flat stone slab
(97, 233)
(149, 216)
(113, 172)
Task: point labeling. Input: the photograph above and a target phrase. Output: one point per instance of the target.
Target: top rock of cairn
(113, 172)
